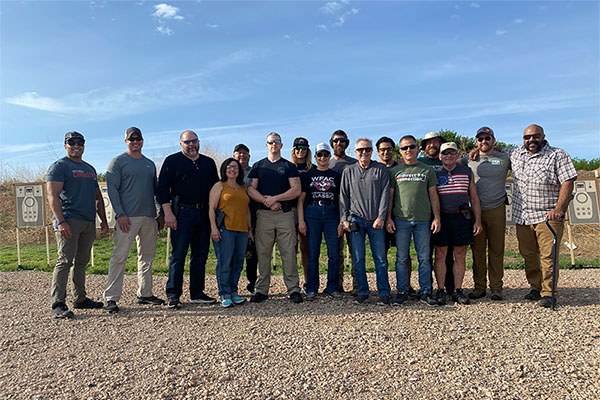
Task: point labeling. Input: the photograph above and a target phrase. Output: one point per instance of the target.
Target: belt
(454, 212)
(196, 205)
(321, 203)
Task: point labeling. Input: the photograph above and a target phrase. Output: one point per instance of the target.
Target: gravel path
(278, 350)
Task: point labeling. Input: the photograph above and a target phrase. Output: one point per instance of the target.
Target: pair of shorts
(456, 230)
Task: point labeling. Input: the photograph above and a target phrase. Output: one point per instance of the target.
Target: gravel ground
(278, 350)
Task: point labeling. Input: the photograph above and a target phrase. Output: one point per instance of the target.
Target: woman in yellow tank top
(229, 240)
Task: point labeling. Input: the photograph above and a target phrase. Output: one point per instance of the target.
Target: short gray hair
(363, 139)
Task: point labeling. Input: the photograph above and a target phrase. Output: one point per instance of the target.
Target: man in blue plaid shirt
(543, 179)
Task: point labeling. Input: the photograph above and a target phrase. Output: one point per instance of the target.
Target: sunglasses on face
(364, 150)
(191, 141)
(135, 139)
(299, 148)
(340, 140)
(323, 154)
(276, 141)
(484, 139)
(233, 166)
(76, 142)
(536, 136)
(449, 153)
(385, 149)
(409, 147)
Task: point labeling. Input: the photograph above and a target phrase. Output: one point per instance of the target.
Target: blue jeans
(377, 241)
(193, 232)
(420, 231)
(322, 220)
(230, 252)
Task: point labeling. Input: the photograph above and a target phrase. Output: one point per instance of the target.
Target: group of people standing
(440, 200)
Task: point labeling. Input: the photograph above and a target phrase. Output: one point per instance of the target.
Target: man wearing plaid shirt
(543, 179)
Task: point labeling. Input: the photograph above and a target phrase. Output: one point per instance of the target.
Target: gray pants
(73, 252)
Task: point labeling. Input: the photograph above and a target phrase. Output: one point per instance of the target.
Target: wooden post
(18, 250)
(571, 245)
(168, 247)
(92, 255)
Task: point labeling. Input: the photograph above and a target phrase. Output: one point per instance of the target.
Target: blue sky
(234, 71)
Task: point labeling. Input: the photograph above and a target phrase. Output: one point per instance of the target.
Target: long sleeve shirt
(365, 192)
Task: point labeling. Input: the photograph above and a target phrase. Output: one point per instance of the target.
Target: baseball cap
(131, 131)
(485, 129)
(73, 135)
(300, 141)
(323, 147)
(449, 145)
(241, 146)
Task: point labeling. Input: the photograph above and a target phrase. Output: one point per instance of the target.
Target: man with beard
(184, 183)
(490, 168)
(543, 179)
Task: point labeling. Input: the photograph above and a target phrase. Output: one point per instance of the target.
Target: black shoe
(428, 300)
(174, 303)
(258, 297)
(361, 298)
(60, 310)
(533, 295)
(296, 297)
(150, 300)
(496, 296)
(383, 301)
(250, 288)
(203, 298)
(400, 299)
(413, 294)
(440, 297)
(88, 303)
(477, 294)
(459, 297)
(546, 302)
(111, 306)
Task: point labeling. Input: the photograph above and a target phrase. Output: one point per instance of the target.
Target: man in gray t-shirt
(131, 180)
(74, 198)
(489, 170)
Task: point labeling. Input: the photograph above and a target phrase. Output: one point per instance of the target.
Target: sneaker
(258, 297)
(428, 300)
(303, 290)
(311, 296)
(533, 295)
(335, 295)
(111, 306)
(546, 302)
(89, 304)
(60, 310)
(237, 299)
(413, 294)
(383, 301)
(174, 303)
(496, 296)
(361, 298)
(295, 297)
(400, 298)
(440, 297)
(203, 298)
(226, 303)
(150, 300)
(460, 297)
(477, 294)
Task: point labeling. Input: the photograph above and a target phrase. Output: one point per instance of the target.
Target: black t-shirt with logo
(273, 178)
(321, 185)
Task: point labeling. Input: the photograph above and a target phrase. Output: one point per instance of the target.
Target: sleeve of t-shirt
(431, 178)
(565, 169)
(253, 174)
(56, 173)
(293, 171)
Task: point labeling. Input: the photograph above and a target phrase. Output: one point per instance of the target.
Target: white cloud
(342, 18)
(165, 30)
(34, 100)
(332, 7)
(501, 32)
(339, 10)
(322, 27)
(212, 26)
(474, 5)
(519, 21)
(165, 11)
(287, 37)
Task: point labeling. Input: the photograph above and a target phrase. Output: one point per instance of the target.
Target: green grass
(33, 257)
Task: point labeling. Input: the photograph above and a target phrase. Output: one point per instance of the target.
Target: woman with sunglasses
(318, 214)
(230, 239)
(301, 156)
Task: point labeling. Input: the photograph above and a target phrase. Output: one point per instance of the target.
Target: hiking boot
(258, 297)
(88, 304)
(295, 297)
(203, 298)
(546, 302)
(533, 295)
(237, 299)
(61, 311)
(428, 300)
(383, 301)
(460, 297)
(174, 303)
(496, 296)
(226, 303)
(150, 300)
(311, 296)
(361, 299)
(413, 294)
(335, 295)
(440, 297)
(477, 294)
(400, 298)
(111, 306)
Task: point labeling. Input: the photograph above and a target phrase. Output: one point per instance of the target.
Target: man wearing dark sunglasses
(74, 198)
(489, 170)
(184, 183)
(131, 181)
